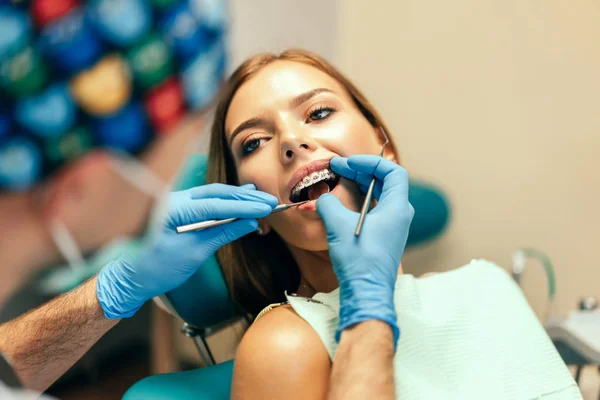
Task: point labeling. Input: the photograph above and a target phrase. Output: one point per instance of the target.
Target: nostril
(289, 154)
(304, 146)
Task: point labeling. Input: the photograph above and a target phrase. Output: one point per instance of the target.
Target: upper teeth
(313, 178)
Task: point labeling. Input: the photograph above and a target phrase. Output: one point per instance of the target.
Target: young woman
(280, 121)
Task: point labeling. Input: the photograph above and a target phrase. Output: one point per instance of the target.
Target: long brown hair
(258, 269)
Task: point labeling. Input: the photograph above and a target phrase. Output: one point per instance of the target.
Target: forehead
(273, 86)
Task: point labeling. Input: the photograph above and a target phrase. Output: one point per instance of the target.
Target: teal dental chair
(204, 304)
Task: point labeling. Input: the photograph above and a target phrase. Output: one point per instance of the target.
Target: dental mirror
(315, 191)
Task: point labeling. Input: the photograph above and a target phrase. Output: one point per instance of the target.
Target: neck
(316, 270)
(25, 246)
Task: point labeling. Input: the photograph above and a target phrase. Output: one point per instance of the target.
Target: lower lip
(310, 206)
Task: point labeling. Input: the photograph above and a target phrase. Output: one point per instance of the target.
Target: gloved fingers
(364, 181)
(218, 236)
(206, 209)
(222, 191)
(362, 178)
(395, 188)
(373, 165)
(189, 211)
(339, 165)
(362, 169)
(333, 213)
(394, 177)
(364, 188)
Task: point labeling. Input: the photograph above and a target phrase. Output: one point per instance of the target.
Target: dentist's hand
(367, 266)
(126, 284)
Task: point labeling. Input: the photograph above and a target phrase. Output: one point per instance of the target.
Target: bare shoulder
(281, 356)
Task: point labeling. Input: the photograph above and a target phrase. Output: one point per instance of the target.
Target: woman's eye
(250, 146)
(320, 113)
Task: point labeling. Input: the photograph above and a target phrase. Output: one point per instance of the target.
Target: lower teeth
(318, 189)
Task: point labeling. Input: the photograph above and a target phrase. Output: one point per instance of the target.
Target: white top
(10, 394)
(464, 334)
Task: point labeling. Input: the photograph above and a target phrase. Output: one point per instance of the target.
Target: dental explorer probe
(367, 203)
(198, 226)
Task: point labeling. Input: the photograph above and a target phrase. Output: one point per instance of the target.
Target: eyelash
(250, 139)
(318, 109)
(257, 137)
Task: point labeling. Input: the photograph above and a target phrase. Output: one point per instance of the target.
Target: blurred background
(494, 102)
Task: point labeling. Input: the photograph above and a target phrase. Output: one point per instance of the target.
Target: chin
(309, 235)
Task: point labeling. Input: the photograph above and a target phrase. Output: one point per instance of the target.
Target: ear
(389, 154)
(263, 227)
(389, 151)
(68, 191)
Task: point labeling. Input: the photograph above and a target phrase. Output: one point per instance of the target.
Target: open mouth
(314, 185)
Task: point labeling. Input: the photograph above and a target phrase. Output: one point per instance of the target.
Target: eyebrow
(298, 100)
(258, 122)
(248, 124)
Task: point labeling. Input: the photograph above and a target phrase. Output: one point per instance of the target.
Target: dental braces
(314, 178)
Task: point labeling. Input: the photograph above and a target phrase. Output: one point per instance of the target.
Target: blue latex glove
(126, 284)
(367, 266)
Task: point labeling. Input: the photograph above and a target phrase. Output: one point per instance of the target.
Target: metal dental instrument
(367, 203)
(198, 226)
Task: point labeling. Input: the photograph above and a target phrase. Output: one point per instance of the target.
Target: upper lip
(306, 169)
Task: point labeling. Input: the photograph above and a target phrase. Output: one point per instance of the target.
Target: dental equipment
(198, 226)
(367, 203)
(575, 335)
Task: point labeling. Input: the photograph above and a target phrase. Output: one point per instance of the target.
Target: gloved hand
(367, 266)
(126, 284)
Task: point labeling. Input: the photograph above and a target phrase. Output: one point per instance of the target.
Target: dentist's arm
(363, 364)
(47, 341)
(366, 268)
(44, 343)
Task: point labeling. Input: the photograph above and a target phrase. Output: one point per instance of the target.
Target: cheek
(348, 134)
(265, 179)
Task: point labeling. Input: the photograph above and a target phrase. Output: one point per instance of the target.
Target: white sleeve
(7, 393)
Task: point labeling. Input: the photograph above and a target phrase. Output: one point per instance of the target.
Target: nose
(295, 144)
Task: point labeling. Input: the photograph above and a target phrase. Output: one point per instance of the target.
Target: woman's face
(286, 123)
